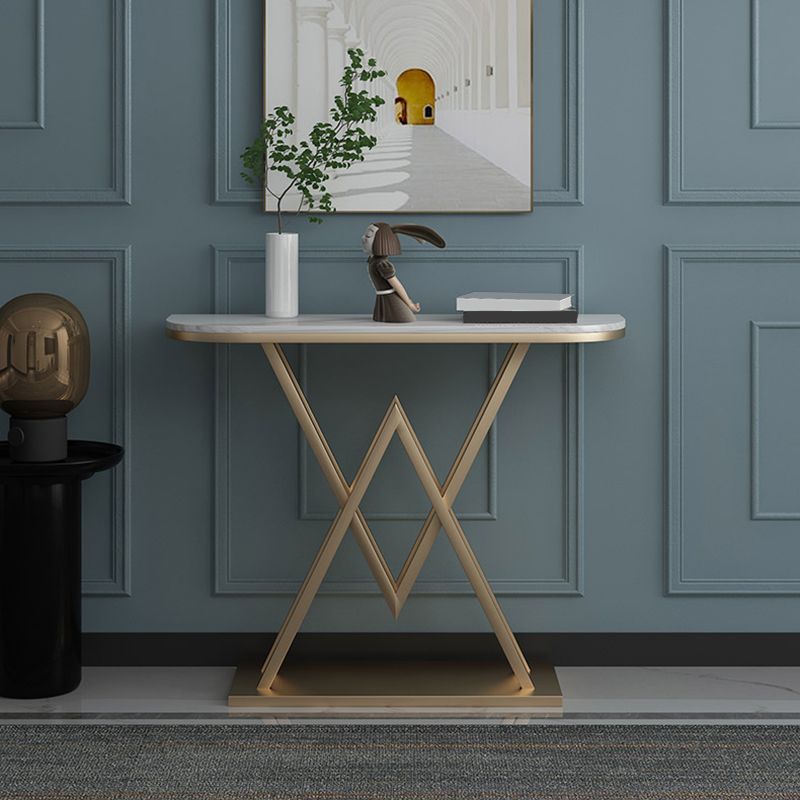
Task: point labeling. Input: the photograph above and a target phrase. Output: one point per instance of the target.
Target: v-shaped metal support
(441, 515)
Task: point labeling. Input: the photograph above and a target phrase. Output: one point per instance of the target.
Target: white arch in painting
(395, 32)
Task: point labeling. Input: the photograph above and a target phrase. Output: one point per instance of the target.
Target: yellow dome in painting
(416, 95)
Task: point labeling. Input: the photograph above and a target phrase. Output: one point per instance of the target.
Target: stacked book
(499, 307)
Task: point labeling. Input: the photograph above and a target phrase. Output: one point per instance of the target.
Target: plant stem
(277, 197)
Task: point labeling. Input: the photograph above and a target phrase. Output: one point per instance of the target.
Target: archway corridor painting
(455, 132)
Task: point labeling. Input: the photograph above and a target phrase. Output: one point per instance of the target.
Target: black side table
(40, 569)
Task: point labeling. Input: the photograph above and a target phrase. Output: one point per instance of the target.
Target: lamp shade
(44, 356)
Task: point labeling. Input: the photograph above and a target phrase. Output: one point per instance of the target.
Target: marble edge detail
(420, 328)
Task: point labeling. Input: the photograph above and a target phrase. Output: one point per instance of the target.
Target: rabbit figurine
(392, 303)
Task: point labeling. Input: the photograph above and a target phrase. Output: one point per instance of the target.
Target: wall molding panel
(118, 261)
(570, 192)
(681, 190)
(224, 190)
(756, 336)
(757, 119)
(119, 192)
(570, 583)
(678, 259)
(37, 123)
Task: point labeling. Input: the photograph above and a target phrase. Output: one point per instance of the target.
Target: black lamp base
(37, 440)
(40, 569)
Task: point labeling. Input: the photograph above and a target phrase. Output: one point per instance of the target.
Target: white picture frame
(456, 132)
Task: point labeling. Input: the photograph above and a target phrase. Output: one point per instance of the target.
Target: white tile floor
(608, 695)
(415, 167)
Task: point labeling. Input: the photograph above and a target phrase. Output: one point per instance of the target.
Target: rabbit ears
(421, 233)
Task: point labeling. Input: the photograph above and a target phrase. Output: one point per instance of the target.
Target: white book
(513, 301)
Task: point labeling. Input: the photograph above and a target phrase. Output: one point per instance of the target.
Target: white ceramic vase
(282, 250)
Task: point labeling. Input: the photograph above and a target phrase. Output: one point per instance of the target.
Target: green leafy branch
(332, 145)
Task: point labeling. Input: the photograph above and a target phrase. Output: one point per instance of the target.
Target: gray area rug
(373, 762)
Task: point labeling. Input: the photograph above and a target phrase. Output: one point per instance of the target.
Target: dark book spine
(529, 317)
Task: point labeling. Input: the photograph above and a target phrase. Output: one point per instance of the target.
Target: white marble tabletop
(353, 328)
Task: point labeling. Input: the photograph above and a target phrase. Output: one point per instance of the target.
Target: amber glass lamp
(44, 373)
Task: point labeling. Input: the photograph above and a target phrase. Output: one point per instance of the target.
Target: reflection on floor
(422, 168)
(606, 695)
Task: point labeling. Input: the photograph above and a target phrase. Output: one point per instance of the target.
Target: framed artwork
(456, 131)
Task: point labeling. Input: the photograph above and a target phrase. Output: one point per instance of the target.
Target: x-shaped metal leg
(441, 497)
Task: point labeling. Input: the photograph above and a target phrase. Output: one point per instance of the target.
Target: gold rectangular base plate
(400, 684)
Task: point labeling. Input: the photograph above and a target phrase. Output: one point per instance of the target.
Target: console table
(479, 684)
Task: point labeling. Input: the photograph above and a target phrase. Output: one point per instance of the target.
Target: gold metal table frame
(409, 684)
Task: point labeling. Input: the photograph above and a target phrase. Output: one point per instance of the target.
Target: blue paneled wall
(648, 484)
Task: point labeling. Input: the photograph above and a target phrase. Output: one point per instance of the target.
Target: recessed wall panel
(717, 393)
(533, 509)
(22, 65)
(775, 387)
(96, 281)
(775, 63)
(720, 72)
(83, 153)
(558, 99)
